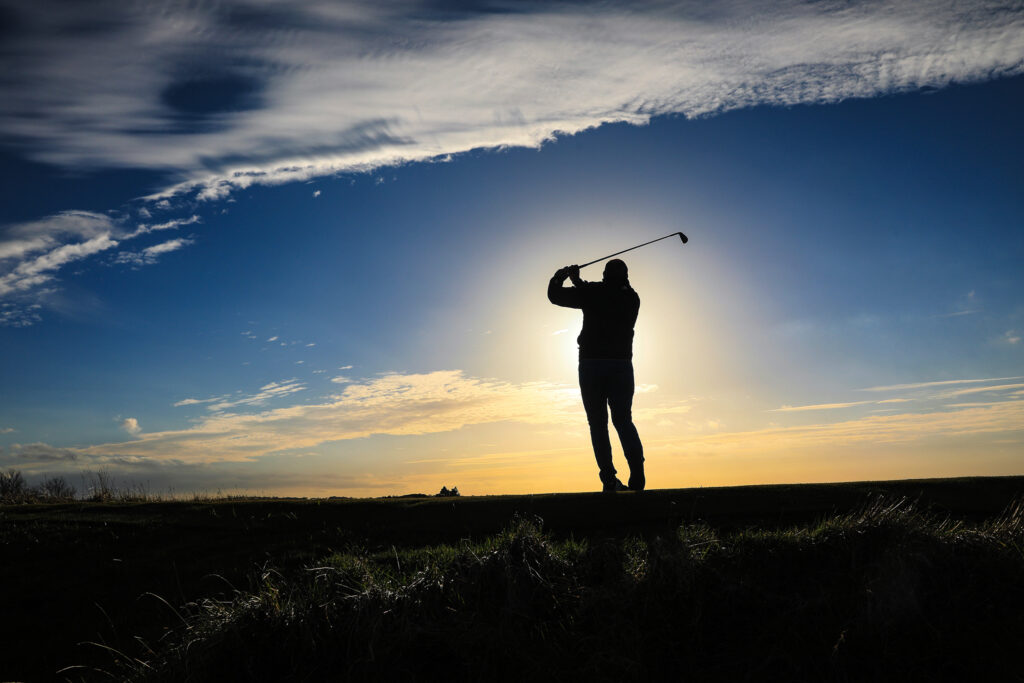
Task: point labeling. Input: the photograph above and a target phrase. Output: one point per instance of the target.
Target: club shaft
(590, 263)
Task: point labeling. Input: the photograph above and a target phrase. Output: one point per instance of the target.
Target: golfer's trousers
(608, 383)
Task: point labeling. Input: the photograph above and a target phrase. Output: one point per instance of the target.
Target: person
(610, 310)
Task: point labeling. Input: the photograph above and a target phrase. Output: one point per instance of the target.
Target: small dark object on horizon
(445, 493)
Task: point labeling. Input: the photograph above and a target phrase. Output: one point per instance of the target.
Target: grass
(885, 593)
(843, 582)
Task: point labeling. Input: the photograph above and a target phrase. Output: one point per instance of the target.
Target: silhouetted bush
(57, 488)
(13, 488)
(103, 488)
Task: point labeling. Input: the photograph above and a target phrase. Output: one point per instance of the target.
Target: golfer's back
(609, 315)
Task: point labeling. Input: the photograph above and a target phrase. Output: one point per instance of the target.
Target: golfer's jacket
(609, 314)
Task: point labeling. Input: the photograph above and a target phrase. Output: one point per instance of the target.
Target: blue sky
(303, 248)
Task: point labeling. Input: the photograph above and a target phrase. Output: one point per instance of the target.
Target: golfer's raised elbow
(562, 296)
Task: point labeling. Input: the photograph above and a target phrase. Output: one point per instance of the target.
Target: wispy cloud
(151, 255)
(32, 272)
(444, 401)
(820, 406)
(43, 453)
(32, 254)
(312, 88)
(979, 390)
(957, 314)
(902, 428)
(307, 88)
(19, 315)
(172, 224)
(395, 404)
(266, 393)
(198, 401)
(940, 383)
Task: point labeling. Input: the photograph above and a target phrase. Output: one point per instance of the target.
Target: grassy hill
(803, 582)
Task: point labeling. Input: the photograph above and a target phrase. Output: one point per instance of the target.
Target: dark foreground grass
(887, 592)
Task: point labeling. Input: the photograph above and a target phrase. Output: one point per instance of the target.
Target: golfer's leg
(594, 403)
(620, 400)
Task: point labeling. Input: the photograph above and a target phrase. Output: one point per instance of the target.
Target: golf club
(681, 236)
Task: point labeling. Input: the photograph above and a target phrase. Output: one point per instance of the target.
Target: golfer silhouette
(610, 309)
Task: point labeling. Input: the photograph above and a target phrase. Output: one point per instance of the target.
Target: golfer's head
(615, 272)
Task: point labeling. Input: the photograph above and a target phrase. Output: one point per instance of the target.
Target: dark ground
(84, 572)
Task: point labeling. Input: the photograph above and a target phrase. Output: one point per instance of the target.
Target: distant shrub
(446, 493)
(13, 488)
(57, 488)
(104, 489)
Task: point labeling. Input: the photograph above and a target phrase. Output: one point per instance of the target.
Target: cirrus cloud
(223, 96)
(289, 91)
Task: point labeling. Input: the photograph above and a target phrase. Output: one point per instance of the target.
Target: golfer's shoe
(615, 487)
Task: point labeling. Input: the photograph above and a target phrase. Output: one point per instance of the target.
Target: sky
(302, 248)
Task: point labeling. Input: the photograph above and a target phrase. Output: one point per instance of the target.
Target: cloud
(266, 393)
(957, 314)
(881, 430)
(7, 430)
(197, 401)
(820, 406)
(131, 425)
(444, 401)
(978, 390)
(289, 92)
(15, 315)
(41, 452)
(942, 395)
(172, 224)
(316, 194)
(151, 255)
(397, 404)
(33, 252)
(21, 239)
(947, 382)
(1011, 337)
(32, 272)
(309, 88)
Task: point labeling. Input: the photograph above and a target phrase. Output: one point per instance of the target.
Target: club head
(683, 237)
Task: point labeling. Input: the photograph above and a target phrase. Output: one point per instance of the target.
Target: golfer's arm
(564, 296)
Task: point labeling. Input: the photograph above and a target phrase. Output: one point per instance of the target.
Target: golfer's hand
(574, 274)
(562, 273)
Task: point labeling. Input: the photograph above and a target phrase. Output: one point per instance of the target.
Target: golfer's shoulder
(632, 297)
